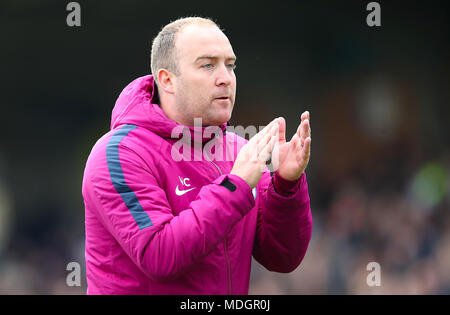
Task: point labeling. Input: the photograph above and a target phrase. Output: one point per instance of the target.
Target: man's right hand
(252, 158)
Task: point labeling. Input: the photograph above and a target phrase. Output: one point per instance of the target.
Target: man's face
(206, 86)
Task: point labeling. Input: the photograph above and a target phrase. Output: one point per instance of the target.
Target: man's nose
(224, 76)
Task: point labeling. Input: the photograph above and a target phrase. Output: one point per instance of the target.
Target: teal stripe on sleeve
(118, 179)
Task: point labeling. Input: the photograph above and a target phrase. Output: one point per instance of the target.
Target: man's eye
(207, 66)
(231, 66)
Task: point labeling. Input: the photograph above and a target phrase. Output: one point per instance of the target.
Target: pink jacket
(159, 226)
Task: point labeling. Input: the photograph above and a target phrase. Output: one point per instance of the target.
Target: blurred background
(379, 98)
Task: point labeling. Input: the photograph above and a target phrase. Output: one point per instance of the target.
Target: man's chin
(218, 120)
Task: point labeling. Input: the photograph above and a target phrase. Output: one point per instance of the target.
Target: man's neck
(175, 115)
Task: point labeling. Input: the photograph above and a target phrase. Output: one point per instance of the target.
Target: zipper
(218, 168)
(227, 257)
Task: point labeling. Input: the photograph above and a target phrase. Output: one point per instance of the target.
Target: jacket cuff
(285, 187)
(238, 189)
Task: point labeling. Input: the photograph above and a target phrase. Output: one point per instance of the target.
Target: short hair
(163, 45)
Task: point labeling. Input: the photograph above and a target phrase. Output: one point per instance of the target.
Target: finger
(307, 149)
(266, 138)
(267, 149)
(266, 152)
(295, 142)
(271, 145)
(282, 129)
(265, 130)
(260, 145)
(272, 131)
(273, 122)
(304, 116)
(256, 138)
(304, 131)
(309, 124)
(299, 128)
(299, 133)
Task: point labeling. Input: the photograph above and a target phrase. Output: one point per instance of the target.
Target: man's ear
(166, 81)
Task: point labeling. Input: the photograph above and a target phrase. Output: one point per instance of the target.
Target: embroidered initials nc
(185, 183)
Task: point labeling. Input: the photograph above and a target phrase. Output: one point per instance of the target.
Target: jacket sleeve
(135, 210)
(284, 224)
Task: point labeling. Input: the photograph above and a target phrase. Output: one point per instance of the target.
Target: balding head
(163, 54)
(193, 64)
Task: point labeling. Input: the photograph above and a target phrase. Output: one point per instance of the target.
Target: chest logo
(184, 183)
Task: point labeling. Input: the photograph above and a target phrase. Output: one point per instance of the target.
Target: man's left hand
(291, 158)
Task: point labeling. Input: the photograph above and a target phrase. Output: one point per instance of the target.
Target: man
(160, 225)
